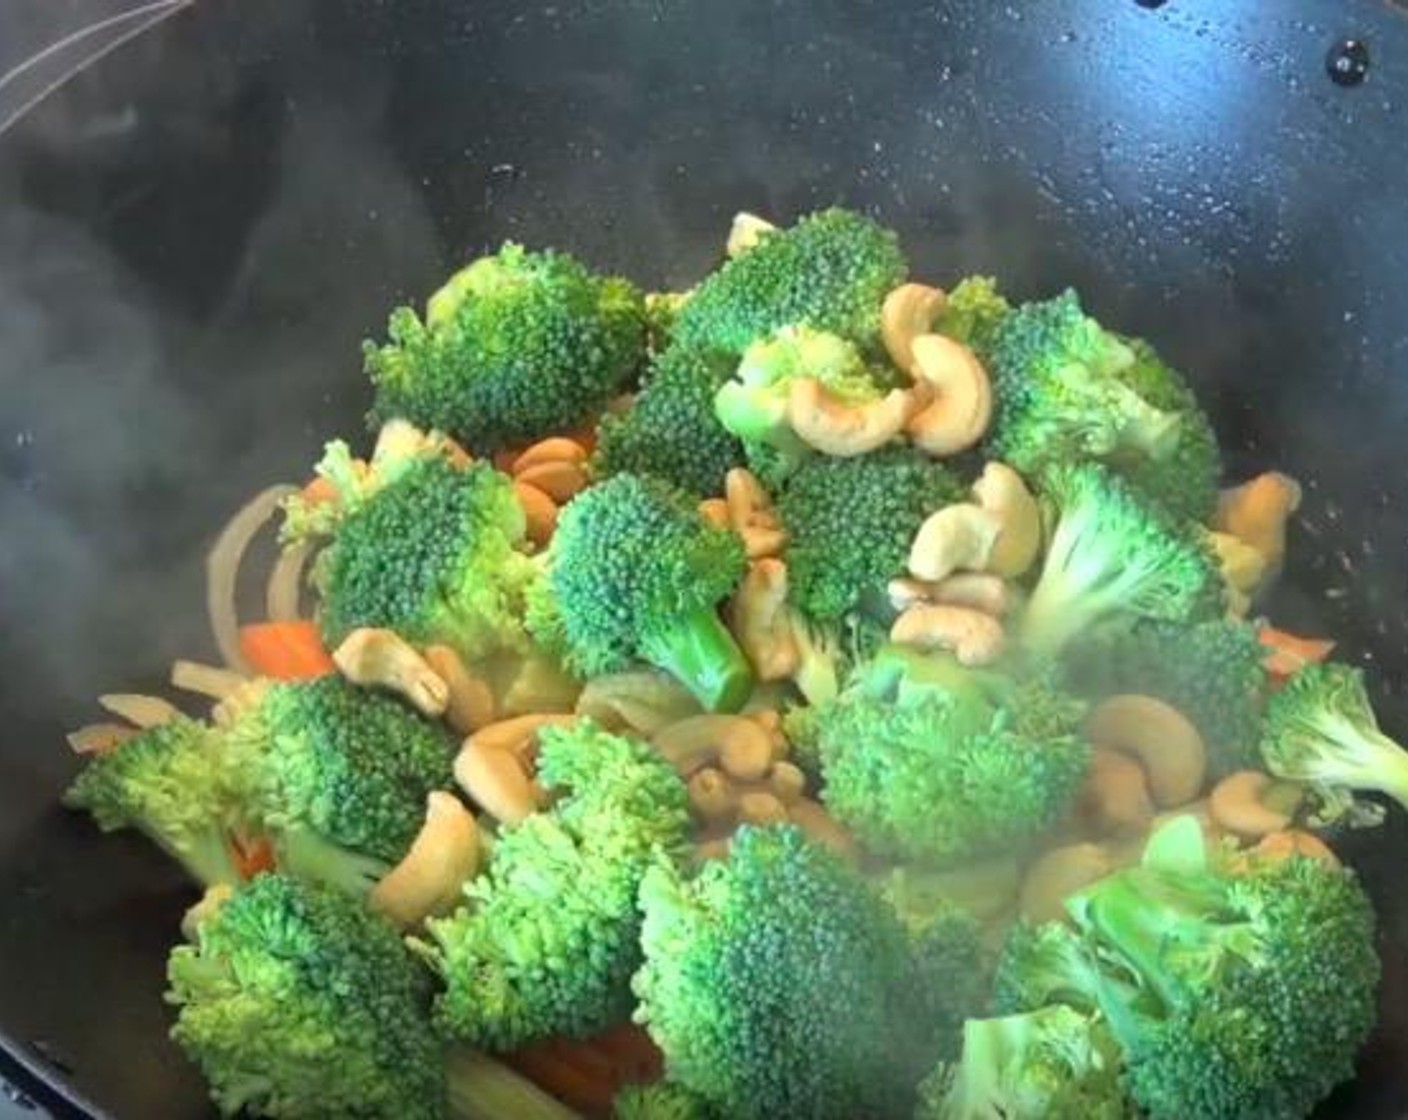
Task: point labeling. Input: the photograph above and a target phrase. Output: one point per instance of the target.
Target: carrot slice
(1288, 653)
(286, 651)
(319, 489)
(253, 855)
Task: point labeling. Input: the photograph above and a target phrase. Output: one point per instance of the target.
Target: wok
(197, 231)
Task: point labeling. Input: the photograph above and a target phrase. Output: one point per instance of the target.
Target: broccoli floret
(661, 1100)
(830, 271)
(297, 1002)
(954, 970)
(1112, 556)
(670, 431)
(753, 404)
(514, 347)
(850, 524)
(550, 934)
(1051, 1064)
(436, 556)
(828, 652)
(338, 777)
(637, 572)
(777, 983)
(171, 784)
(974, 311)
(925, 766)
(1210, 671)
(1321, 729)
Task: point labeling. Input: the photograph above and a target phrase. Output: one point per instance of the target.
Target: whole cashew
(833, 428)
(1060, 873)
(715, 512)
(382, 658)
(1115, 797)
(821, 826)
(979, 591)
(761, 807)
(539, 510)
(908, 312)
(428, 881)
(471, 702)
(557, 449)
(519, 735)
(961, 410)
(497, 781)
(751, 514)
(1257, 511)
(1238, 803)
(1159, 736)
(1001, 491)
(975, 638)
(699, 740)
(787, 782)
(956, 537)
(712, 795)
(758, 616)
(560, 481)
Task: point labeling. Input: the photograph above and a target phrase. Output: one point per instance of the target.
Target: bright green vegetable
(777, 983)
(670, 431)
(1113, 556)
(170, 784)
(662, 1100)
(516, 346)
(636, 572)
(1321, 729)
(550, 934)
(850, 524)
(974, 312)
(337, 776)
(830, 271)
(1051, 1064)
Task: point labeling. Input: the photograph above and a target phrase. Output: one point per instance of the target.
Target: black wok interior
(196, 233)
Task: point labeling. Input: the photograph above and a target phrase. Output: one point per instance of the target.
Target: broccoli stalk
(1321, 729)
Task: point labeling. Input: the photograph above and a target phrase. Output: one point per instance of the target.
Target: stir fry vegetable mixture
(813, 694)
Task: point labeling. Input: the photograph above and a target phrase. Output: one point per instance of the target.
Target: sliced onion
(99, 738)
(134, 707)
(207, 680)
(281, 597)
(222, 569)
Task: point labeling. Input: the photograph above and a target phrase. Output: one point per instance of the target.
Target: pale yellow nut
(559, 481)
(758, 617)
(1057, 875)
(1160, 737)
(961, 409)
(978, 591)
(557, 449)
(761, 807)
(539, 510)
(429, 881)
(905, 592)
(496, 781)
(956, 538)
(821, 827)
(715, 511)
(1295, 842)
(1257, 513)
(700, 740)
(712, 795)
(832, 427)
(381, 658)
(519, 735)
(471, 701)
(1002, 491)
(1115, 796)
(787, 782)
(751, 514)
(973, 637)
(909, 311)
(1238, 804)
(708, 850)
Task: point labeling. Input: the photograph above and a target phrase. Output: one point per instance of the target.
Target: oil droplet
(1347, 63)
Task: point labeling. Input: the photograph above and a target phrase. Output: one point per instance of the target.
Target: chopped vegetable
(286, 651)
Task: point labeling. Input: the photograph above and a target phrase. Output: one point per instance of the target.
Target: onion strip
(286, 584)
(206, 680)
(144, 711)
(99, 738)
(222, 569)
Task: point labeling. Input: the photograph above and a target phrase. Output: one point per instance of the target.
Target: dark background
(196, 232)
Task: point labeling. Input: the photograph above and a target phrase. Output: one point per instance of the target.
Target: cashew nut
(539, 510)
(557, 449)
(471, 701)
(1244, 803)
(959, 415)
(1002, 491)
(712, 795)
(1060, 873)
(712, 849)
(761, 807)
(833, 428)
(1115, 797)
(908, 312)
(746, 231)
(978, 591)
(1295, 842)
(751, 515)
(771, 722)
(429, 880)
(821, 826)
(560, 481)
(1257, 511)
(787, 782)
(497, 781)
(758, 616)
(519, 735)
(697, 741)
(715, 511)
(956, 537)
(1159, 736)
(377, 658)
(975, 638)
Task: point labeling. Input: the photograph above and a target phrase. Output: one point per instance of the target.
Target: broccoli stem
(206, 858)
(308, 855)
(697, 649)
(1361, 758)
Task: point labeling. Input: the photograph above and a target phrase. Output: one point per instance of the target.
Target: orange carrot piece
(1288, 653)
(286, 651)
(253, 855)
(318, 490)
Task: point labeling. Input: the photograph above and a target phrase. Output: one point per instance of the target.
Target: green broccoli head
(297, 1002)
(1053, 1064)
(435, 555)
(1321, 729)
(550, 933)
(753, 404)
(172, 784)
(660, 1100)
(514, 347)
(954, 970)
(830, 271)
(1114, 556)
(927, 767)
(777, 983)
(670, 431)
(637, 572)
(974, 311)
(1210, 671)
(338, 777)
(850, 524)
